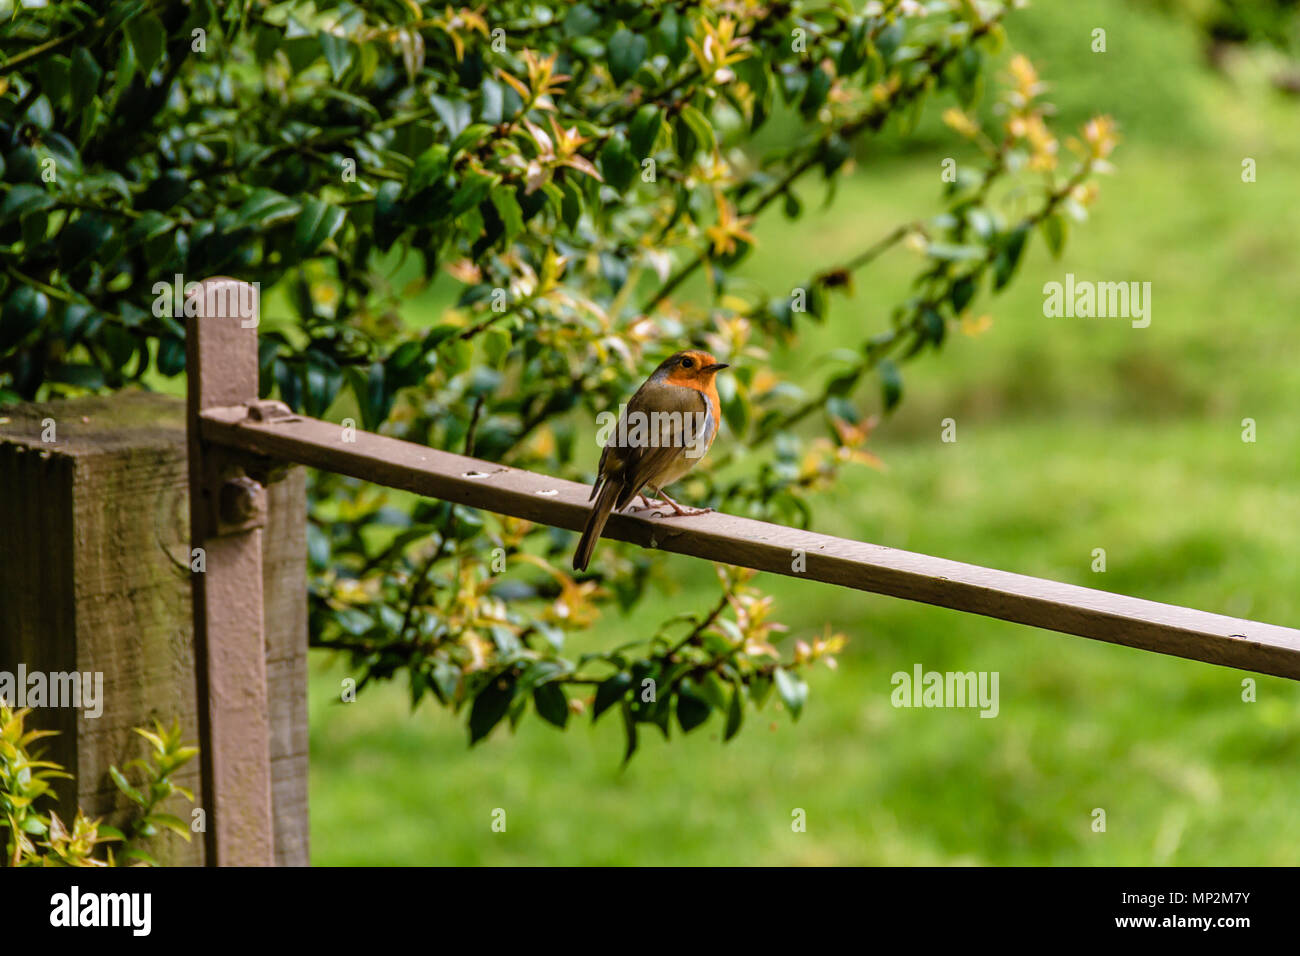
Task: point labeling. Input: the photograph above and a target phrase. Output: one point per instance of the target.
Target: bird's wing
(666, 438)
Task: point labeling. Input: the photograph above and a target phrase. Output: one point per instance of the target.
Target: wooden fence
(239, 446)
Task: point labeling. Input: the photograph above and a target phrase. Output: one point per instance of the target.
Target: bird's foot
(678, 511)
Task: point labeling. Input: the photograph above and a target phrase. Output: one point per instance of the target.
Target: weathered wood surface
(1067, 608)
(284, 604)
(94, 576)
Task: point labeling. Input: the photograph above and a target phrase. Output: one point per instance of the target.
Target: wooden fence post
(227, 515)
(95, 571)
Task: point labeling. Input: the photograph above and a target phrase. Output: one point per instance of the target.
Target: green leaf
(626, 52)
(430, 167)
(834, 154)
(1010, 249)
(629, 729)
(323, 380)
(934, 326)
(496, 346)
(52, 77)
(134, 795)
(735, 406)
(266, 207)
(123, 72)
(672, 32)
(454, 115)
(338, 53)
(492, 105)
(692, 708)
(793, 690)
(853, 53)
(319, 222)
(963, 290)
(148, 37)
(76, 316)
(149, 226)
(888, 39)
(83, 376)
(369, 389)
(552, 705)
(571, 208)
(610, 692)
(714, 690)
(171, 356)
(580, 20)
(891, 383)
(700, 127)
(173, 823)
(491, 704)
(819, 85)
(473, 189)
(644, 130)
(447, 678)
(507, 206)
(470, 137)
(617, 164)
(22, 199)
(23, 312)
(35, 226)
(735, 714)
(684, 141)
(22, 165)
(842, 383)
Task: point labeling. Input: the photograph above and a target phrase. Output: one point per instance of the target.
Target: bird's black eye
(688, 362)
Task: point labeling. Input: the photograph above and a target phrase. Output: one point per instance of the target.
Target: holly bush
(581, 183)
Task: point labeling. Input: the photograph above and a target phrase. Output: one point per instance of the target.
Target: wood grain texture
(284, 586)
(94, 576)
(1067, 608)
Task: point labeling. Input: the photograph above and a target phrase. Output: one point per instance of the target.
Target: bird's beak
(715, 367)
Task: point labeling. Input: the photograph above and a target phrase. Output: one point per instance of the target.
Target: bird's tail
(600, 513)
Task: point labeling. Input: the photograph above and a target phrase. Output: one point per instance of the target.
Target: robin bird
(663, 432)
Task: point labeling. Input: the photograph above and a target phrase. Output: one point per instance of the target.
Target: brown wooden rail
(1068, 608)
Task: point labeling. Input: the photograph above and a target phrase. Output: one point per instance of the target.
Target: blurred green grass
(1072, 435)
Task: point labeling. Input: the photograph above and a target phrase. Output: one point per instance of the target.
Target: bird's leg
(678, 510)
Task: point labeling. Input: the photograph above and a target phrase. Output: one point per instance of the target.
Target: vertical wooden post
(227, 513)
